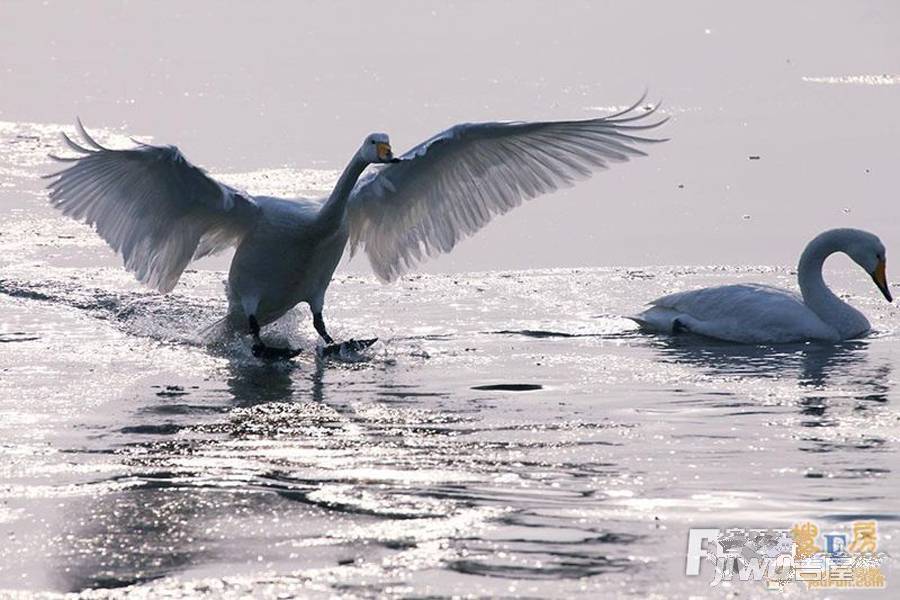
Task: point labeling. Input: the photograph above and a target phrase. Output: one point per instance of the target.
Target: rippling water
(510, 435)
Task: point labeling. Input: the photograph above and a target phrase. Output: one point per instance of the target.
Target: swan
(760, 314)
(160, 212)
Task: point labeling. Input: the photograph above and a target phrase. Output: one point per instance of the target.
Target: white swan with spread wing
(761, 314)
(160, 212)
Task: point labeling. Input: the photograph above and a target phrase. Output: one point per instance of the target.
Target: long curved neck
(332, 213)
(816, 294)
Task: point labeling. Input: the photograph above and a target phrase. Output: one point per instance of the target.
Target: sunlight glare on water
(510, 434)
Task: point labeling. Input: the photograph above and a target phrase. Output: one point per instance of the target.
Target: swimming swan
(160, 212)
(760, 314)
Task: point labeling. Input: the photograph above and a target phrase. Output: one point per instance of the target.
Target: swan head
(868, 252)
(377, 149)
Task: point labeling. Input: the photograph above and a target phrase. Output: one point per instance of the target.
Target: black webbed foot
(348, 346)
(260, 350)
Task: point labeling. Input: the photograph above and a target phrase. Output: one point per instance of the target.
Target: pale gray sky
(270, 84)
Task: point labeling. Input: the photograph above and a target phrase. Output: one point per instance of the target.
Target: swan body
(762, 314)
(160, 212)
(748, 313)
(261, 284)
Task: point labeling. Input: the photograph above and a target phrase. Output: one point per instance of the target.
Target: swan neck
(332, 213)
(816, 293)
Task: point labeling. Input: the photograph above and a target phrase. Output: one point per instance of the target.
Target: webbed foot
(260, 350)
(348, 346)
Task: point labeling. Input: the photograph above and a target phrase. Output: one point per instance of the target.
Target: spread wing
(452, 185)
(151, 206)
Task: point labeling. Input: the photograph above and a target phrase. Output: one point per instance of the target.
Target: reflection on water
(345, 480)
(832, 381)
(808, 363)
(556, 458)
(190, 496)
(251, 384)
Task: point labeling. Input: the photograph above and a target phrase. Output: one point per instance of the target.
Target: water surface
(510, 435)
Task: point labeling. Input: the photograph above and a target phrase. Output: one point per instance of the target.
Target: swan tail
(217, 332)
(658, 319)
(644, 325)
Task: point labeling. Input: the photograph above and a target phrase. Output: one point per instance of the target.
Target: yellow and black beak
(384, 151)
(880, 279)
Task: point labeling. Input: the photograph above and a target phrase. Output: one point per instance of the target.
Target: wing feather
(151, 205)
(454, 183)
